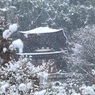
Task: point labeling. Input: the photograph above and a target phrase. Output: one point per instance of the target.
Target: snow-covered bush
(87, 90)
(22, 77)
(64, 89)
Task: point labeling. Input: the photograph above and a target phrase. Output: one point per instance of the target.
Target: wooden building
(44, 44)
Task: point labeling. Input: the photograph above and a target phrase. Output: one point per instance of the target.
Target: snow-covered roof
(41, 30)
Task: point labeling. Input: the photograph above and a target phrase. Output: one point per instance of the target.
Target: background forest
(67, 14)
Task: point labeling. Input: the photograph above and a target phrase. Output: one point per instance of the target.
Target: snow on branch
(7, 33)
(17, 44)
(13, 27)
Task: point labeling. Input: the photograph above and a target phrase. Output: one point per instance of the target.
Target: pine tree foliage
(67, 14)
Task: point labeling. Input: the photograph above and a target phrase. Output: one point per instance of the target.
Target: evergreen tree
(5, 52)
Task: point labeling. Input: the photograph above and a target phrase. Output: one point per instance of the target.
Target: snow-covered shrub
(22, 77)
(87, 90)
(64, 89)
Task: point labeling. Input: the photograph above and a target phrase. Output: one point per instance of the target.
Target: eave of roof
(41, 30)
(41, 53)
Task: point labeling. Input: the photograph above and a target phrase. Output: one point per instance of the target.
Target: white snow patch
(22, 87)
(93, 71)
(29, 85)
(11, 47)
(43, 74)
(87, 90)
(77, 48)
(93, 86)
(6, 34)
(4, 49)
(4, 9)
(17, 44)
(3, 87)
(12, 67)
(26, 35)
(13, 27)
(40, 93)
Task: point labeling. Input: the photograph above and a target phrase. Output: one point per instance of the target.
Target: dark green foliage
(67, 14)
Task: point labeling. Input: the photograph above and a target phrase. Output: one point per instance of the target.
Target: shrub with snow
(87, 90)
(21, 76)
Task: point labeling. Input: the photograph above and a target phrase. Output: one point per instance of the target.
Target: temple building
(44, 44)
